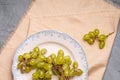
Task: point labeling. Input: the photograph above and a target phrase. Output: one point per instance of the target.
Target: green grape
(59, 60)
(96, 32)
(66, 72)
(54, 61)
(101, 44)
(71, 73)
(75, 64)
(53, 56)
(34, 55)
(33, 67)
(61, 52)
(102, 37)
(90, 41)
(48, 74)
(47, 66)
(35, 76)
(42, 58)
(34, 79)
(28, 69)
(49, 60)
(67, 60)
(20, 65)
(86, 37)
(39, 53)
(33, 62)
(41, 74)
(26, 55)
(36, 49)
(61, 78)
(20, 58)
(55, 72)
(91, 34)
(27, 62)
(65, 66)
(40, 64)
(23, 69)
(43, 51)
(38, 70)
(79, 72)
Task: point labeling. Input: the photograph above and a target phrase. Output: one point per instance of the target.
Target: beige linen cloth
(74, 17)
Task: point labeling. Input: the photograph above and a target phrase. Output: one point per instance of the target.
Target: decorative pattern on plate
(52, 40)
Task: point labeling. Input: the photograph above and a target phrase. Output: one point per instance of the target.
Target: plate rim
(55, 31)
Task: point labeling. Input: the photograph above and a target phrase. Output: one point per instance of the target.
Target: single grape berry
(59, 59)
(61, 52)
(42, 58)
(67, 60)
(41, 74)
(33, 62)
(53, 56)
(43, 51)
(65, 66)
(86, 37)
(72, 72)
(26, 55)
(40, 64)
(20, 58)
(96, 32)
(48, 74)
(20, 65)
(91, 34)
(101, 44)
(47, 66)
(28, 69)
(66, 72)
(75, 64)
(39, 70)
(90, 41)
(79, 72)
(102, 37)
(36, 49)
(49, 60)
(34, 55)
(35, 76)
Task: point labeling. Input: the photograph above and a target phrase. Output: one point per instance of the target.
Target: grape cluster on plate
(93, 35)
(45, 67)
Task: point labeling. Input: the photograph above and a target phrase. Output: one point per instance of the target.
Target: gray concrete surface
(113, 67)
(115, 2)
(10, 14)
(12, 10)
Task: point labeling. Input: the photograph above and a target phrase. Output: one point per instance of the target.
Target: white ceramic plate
(52, 41)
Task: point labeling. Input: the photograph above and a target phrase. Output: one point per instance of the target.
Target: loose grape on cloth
(75, 18)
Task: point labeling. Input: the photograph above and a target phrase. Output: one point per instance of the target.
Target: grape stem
(59, 71)
(109, 34)
(66, 78)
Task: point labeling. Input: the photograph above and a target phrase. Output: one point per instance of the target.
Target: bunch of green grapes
(63, 66)
(58, 65)
(93, 35)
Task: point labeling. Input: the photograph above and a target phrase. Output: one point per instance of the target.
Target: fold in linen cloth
(75, 18)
